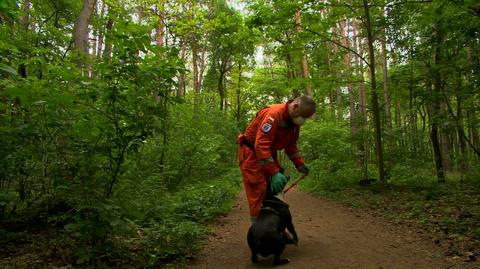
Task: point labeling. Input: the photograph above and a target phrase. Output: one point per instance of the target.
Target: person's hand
(278, 182)
(303, 169)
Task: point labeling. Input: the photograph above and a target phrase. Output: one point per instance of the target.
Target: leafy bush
(108, 155)
(403, 175)
(196, 145)
(174, 225)
(326, 150)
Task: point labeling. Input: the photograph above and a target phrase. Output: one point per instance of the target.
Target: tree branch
(457, 121)
(338, 44)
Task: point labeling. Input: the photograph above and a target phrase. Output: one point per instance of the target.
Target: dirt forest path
(331, 236)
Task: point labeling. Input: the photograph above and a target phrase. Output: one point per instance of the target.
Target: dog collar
(278, 202)
(267, 208)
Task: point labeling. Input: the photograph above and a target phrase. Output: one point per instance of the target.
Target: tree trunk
(222, 69)
(305, 73)
(338, 88)
(238, 115)
(436, 93)
(432, 109)
(95, 32)
(81, 30)
(108, 42)
(331, 95)
(24, 26)
(375, 108)
(308, 88)
(201, 68)
(445, 142)
(398, 123)
(25, 20)
(461, 138)
(473, 127)
(386, 93)
(362, 102)
(101, 35)
(471, 114)
(346, 59)
(161, 23)
(221, 91)
(196, 86)
(181, 76)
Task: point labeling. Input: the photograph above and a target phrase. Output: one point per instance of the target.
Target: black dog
(266, 235)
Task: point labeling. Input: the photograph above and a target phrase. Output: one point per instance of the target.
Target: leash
(295, 183)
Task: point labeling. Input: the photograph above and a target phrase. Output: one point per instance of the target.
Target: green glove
(278, 182)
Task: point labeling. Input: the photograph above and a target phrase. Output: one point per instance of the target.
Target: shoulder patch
(266, 127)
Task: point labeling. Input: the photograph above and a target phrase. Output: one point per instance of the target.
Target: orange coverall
(271, 130)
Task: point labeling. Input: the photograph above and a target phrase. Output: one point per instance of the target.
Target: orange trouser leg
(253, 180)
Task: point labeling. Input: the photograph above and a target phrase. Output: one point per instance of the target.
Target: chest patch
(266, 127)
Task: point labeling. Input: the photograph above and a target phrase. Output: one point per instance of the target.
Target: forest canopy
(118, 118)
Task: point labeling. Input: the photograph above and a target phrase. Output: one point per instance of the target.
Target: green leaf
(8, 70)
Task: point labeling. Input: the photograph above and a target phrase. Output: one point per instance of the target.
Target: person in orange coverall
(274, 128)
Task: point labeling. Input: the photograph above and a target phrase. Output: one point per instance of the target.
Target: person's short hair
(307, 101)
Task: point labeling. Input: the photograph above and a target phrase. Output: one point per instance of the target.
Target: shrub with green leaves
(326, 149)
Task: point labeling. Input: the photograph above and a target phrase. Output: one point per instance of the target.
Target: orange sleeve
(265, 135)
(291, 148)
(292, 151)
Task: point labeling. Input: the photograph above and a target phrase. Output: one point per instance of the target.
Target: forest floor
(331, 236)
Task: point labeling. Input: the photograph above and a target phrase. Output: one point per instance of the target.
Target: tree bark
(238, 92)
(398, 123)
(445, 138)
(81, 30)
(346, 60)
(331, 95)
(435, 97)
(95, 32)
(362, 102)
(108, 44)
(362, 97)
(181, 77)
(221, 90)
(338, 100)
(461, 132)
(201, 68)
(305, 72)
(471, 114)
(386, 93)
(375, 108)
(25, 20)
(161, 23)
(222, 69)
(101, 35)
(196, 85)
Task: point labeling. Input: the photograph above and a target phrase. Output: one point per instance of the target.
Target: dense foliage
(118, 118)
(100, 152)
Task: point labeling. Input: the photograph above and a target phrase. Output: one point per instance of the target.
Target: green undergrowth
(450, 212)
(176, 233)
(126, 233)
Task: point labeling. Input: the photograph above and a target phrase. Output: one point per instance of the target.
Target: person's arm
(294, 155)
(263, 143)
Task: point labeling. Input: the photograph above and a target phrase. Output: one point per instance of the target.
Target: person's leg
(255, 195)
(254, 181)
